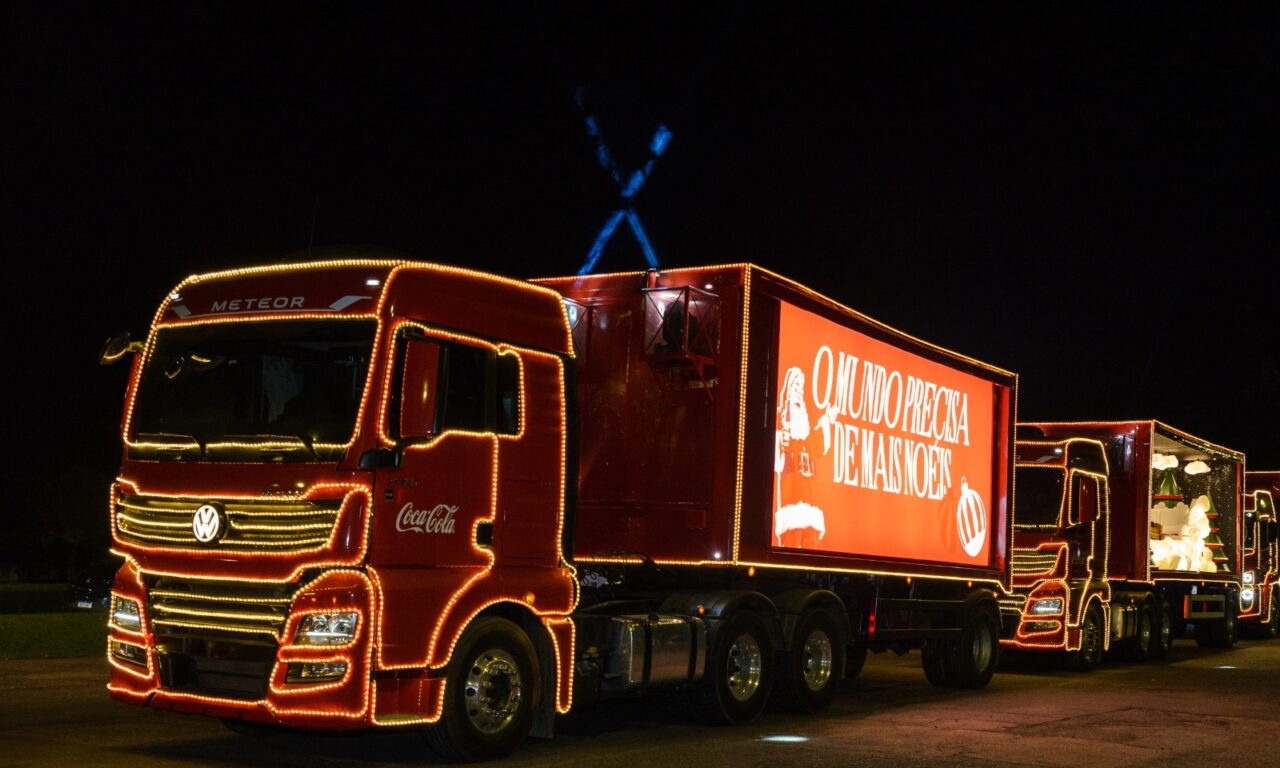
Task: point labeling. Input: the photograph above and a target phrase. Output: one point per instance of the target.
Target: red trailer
(1261, 554)
(379, 493)
(1124, 533)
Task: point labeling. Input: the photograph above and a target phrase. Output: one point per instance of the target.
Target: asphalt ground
(1197, 708)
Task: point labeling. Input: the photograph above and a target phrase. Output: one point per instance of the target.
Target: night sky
(1088, 196)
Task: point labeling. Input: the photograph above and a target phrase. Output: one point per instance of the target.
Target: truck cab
(1261, 566)
(1061, 599)
(333, 473)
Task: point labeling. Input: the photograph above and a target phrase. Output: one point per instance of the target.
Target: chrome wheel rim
(492, 691)
(1166, 631)
(818, 660)
(1089, 643)
(744, 665)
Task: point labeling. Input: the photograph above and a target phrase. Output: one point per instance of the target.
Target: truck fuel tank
(654, 650)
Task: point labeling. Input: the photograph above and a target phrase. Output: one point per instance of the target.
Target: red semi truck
(1124, 533)
(1261, 554)
(383, 493)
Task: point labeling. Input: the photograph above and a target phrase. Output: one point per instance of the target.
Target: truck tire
(1270, 629)
(933, 659)
(973, 657)
(739, 673)
(1162, 636)
(492, 689)
(1090, 651)
(808, 678)
(1221, 633)
(1137, 649)
(855, 659)
(968, 661)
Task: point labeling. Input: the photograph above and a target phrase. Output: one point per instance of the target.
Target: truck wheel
(1090, 651)
(1137, 649)
(1220, 633)
(1162, 635)
(1228, 629)
(1272, 628)
(971, 660)
(808, 679)
(933, 658)
(740, 674)
(492, 689)
(855, 658)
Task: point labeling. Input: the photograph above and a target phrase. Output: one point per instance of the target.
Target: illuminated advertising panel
(878, 451)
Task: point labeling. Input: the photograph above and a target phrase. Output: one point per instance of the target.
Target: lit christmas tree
(1213, 541)
(1168, 493)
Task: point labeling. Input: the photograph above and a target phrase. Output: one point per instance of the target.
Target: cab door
(435, 508)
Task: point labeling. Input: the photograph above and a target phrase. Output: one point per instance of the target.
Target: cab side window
(1086, 507)
(464, 388)
(449, 385)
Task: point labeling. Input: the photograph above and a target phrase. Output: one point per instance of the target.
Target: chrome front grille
(1030, 562)
(276, 526)
(199, 608)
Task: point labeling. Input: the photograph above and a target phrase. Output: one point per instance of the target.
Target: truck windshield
(253, 391)
(1037, 498)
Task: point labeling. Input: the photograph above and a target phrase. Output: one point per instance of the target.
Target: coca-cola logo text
(437, 520)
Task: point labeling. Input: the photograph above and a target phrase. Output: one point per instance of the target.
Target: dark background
(1087, 195)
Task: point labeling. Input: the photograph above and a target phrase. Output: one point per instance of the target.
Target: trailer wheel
(1272, 627)
(1222, 633)
(971, 660)
(933, 658)
(1162, 637)
(1138, 648)
(855, 658)
(740, 673)
(808, 679)
(1090, 651)
(492, 689)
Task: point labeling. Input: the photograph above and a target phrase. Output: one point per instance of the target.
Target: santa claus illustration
(797, 522)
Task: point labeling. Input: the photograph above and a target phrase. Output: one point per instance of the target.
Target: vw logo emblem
(208, 523)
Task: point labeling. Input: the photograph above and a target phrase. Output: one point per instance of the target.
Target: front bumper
(216, 648)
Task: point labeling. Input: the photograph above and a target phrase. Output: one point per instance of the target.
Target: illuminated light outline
(633, 560)
(1265, 582)
(226, 599)
(352, 490)
(394, 267)
(747, 269)
(302, 688)
(564, 672)
(247, 616)
(499, 348)
(744, 339)
(1063, 582)
(127, 424)
(804, 290)
(124, 666)
(393, 332)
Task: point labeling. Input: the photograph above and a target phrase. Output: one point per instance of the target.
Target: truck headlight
(1047, 606)
(125, 613)
(326, 629)
(1248, 577)
(1246, 597)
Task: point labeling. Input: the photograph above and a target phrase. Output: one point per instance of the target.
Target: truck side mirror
(418, 378)
(117, 347)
